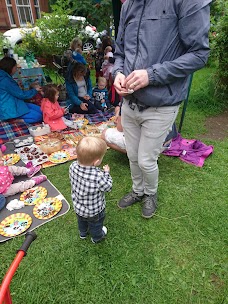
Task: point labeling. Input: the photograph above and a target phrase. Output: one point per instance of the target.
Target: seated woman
(79, 89)
(12, 97)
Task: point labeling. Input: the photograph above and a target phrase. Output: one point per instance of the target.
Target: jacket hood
(3, 75)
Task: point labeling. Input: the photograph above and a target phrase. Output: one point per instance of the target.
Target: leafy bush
(3, 43)
(221, 51)
(219, 47)
(51, 36)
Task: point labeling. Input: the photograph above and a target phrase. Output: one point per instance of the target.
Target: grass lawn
(179, 256)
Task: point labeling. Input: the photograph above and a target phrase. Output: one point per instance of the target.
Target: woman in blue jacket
(12, 104)
(79, 89)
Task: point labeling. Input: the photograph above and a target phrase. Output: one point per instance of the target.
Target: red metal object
(5, 296)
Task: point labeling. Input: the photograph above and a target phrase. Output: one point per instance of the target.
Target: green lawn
(179, 256)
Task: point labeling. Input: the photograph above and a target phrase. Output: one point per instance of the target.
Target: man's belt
(136, 103)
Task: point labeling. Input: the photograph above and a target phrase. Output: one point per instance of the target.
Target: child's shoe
(39, 179)
(104, 230)
(33, 170)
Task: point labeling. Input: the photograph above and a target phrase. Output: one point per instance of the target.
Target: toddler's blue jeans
(93, 225)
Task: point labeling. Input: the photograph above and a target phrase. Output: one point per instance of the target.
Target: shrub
(221, 51)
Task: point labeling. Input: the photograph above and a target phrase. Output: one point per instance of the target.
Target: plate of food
(81, 122)
(10, 159)
(23, 141)
(32, 154)
(47, 208)
(59, 157)
(15, 224)
(92, 131)
(33, 195)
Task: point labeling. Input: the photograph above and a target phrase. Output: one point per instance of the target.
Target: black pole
(116, 5)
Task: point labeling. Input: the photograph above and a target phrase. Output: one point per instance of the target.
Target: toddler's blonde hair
(90, 149)
(102, 80)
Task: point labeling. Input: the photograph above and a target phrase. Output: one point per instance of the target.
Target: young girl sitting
(7, 174)
(53, 114)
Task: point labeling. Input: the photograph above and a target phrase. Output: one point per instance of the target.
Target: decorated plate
(112, 119)
(15, 224)
(47, 208)
(10, 159)
(81, 122)
(31, 196)
(59, 157)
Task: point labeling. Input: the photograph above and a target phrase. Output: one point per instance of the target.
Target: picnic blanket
(52, 192)
(17, 127)
(13, 128)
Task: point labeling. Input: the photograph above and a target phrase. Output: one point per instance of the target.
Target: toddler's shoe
(104, 230)
(33, 170)
(39, 179)
(83, 236)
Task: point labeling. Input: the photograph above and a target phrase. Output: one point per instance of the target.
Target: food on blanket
(81, 122)
(39, 130)
(32, 153)
(92, 131)
(59, 157)
(31, 196)
(113, 118)
(72, 139)
(23, 141)
(47, 208)
(51, 145)
(15, 224)
(56, 135)
(10, 159)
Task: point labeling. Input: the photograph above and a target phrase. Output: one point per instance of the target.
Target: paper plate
(15, 224)
(47, 208)
(59, 157)
(81, 122)
(32, 196)
(10, 159)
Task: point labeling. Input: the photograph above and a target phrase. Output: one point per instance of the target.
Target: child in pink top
(7, 174)
(53, 114)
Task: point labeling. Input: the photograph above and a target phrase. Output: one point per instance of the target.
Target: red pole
(4, 288)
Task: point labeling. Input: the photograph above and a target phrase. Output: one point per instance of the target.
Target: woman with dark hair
(79, 89)
(12, 98)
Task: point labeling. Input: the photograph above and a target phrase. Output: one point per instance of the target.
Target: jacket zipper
(137, 50)
(169, 88)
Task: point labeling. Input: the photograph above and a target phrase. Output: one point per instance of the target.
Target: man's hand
(138, 79)
(119, 84)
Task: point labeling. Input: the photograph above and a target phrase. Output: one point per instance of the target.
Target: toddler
(7, 174)
(107, 66)
(100, 95)
(88, 187)
(53, 114)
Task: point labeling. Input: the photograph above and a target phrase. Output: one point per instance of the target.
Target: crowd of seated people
(37, 104)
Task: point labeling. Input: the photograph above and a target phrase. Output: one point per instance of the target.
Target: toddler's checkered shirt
(88, 187)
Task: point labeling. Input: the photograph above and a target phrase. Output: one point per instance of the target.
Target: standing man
(159, 44)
